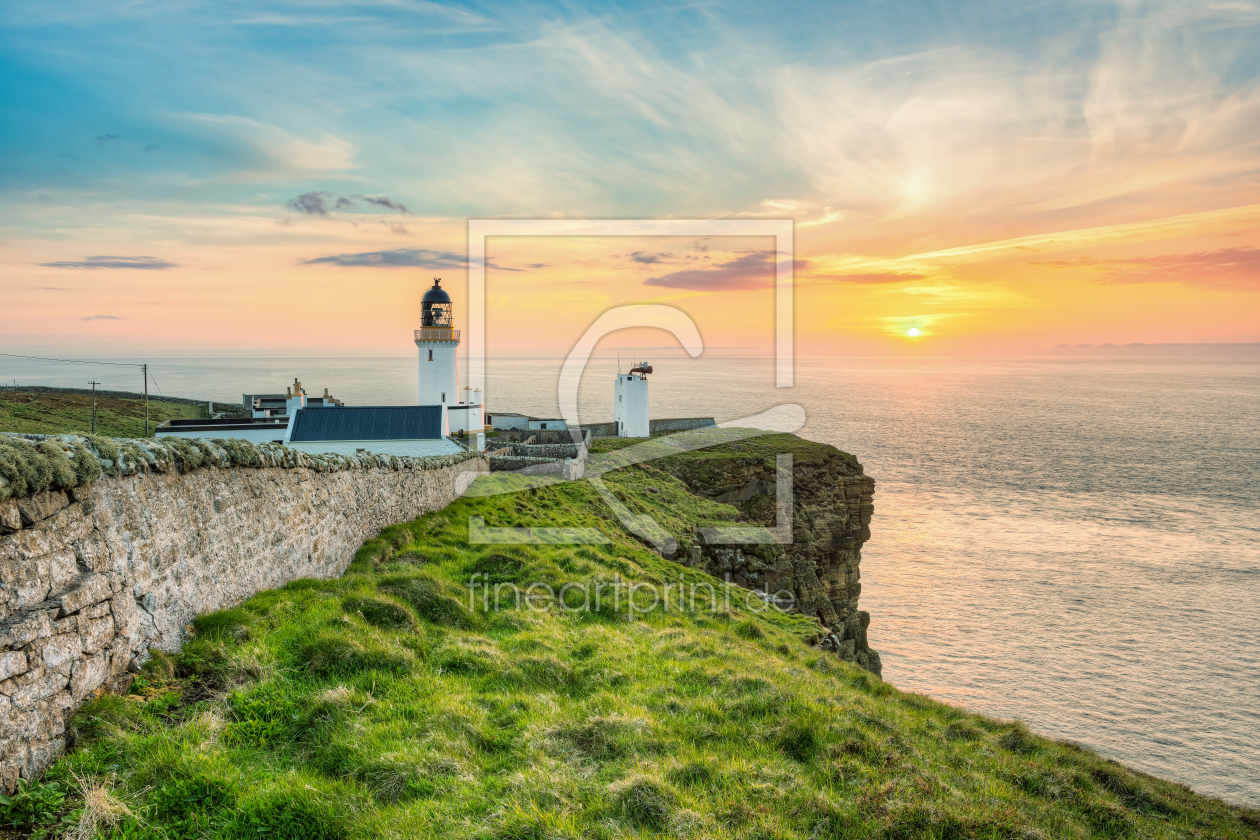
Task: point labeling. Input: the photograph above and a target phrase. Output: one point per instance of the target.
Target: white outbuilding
(630, 403)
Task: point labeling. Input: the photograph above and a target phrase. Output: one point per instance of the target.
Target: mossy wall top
(31, 464)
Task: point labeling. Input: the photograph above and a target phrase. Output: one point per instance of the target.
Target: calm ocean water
(1072, 542)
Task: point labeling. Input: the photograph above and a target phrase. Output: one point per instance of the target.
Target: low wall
(550, 451)
(511, 463)
(680, 424)
(658, 426)
(96, 572)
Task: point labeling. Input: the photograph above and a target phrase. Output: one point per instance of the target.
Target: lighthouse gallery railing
(437, 334)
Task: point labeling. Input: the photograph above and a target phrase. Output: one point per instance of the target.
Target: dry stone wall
(94, 576)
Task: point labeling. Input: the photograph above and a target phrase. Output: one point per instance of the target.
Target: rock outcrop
(833, 502)
(94, 576)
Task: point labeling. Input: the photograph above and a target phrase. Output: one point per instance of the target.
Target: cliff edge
(832, 506)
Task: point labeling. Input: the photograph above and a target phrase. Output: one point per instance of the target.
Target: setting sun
(913, 332)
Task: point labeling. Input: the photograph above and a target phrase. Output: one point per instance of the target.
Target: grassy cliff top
(761, 449)
(390, 704)
(53, 411)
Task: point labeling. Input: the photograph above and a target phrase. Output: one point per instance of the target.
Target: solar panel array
(391, 422)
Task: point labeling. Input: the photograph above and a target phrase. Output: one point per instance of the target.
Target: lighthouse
(630, 402)
(437, 341)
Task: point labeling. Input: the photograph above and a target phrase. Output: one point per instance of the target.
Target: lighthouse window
(443, 396)
(430, 355)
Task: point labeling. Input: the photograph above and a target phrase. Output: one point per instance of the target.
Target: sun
(913, 332)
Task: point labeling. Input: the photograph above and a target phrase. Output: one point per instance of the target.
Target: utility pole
(146, 400)
(94, 383)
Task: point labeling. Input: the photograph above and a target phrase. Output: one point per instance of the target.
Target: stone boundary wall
(552, 451)
(511, 463)
(93, 575)
(680, 424)
(540, 436)
(658, 426)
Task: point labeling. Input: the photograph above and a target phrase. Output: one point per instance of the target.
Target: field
(394, 702)
(56, 411)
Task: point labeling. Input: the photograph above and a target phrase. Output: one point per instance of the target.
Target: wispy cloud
(103, 318)
(102, 139)
(397, 258)
(648, 259)
(258, 151)
(402, 258)
(1226, 268)
(323, 203)
(382, 201)
(872, 277)
(750, 271)
(311, 203)
(146, 263)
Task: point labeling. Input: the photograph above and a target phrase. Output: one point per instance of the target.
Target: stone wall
(550, 451)
(661, 425)
(679, 424)
(512, 463)
(93, 576)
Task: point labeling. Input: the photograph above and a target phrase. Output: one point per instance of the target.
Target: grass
(42, 412)
(388, 704)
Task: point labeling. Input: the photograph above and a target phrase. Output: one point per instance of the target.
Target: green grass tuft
(380, 612)
(643, 801)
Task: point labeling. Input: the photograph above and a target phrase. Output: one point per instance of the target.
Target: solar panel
(390, 422)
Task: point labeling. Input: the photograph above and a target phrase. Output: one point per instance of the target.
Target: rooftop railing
(437, 334)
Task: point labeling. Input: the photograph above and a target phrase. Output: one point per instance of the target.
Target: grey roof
(381, 422)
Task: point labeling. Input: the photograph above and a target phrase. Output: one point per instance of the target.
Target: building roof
(382, 422)
(436, 294)
(221, 424)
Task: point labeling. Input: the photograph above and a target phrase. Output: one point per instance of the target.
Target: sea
(1070, 540)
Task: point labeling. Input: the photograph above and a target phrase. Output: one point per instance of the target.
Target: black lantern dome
(435, 306)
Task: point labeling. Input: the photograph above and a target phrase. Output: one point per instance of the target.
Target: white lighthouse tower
(630, 402)
(437, 342)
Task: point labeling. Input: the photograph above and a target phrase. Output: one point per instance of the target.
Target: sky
(963, 177)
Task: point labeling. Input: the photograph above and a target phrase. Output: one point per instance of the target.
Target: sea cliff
(832, 506)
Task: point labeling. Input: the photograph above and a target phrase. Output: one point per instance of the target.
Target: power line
(155, 383)
(143, 367)
(71, 361)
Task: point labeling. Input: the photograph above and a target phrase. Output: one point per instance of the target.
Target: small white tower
(630, 402)
(437, 342)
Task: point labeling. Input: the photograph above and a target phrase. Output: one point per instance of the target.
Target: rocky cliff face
(93, 576)
(832, 505)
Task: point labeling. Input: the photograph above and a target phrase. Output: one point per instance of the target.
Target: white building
(507, 421)
(407, 430)
(503, 421)
(252, 429)
(630, 402)
(268, 423)
(277, 405)
(438, 343)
